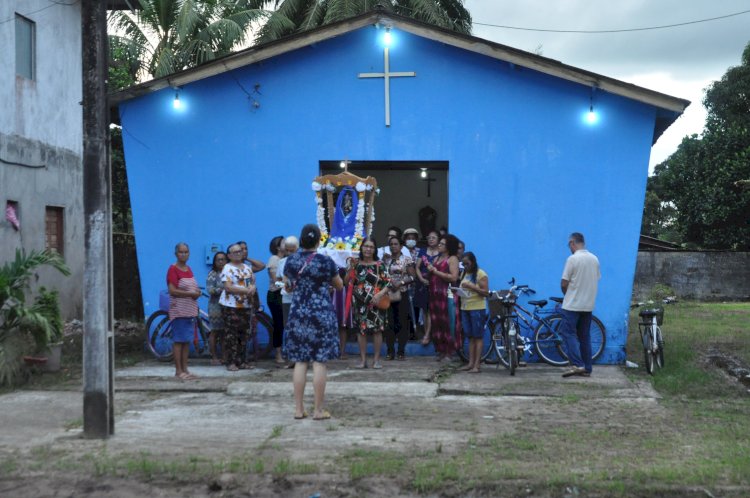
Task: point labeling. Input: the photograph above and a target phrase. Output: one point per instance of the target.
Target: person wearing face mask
(393, 231)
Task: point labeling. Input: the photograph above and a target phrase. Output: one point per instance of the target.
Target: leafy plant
(661, 291)
(40, 321)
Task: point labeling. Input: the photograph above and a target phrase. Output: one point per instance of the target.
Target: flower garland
(320, 214)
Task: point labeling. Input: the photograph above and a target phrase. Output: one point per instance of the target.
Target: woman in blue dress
(312, 329)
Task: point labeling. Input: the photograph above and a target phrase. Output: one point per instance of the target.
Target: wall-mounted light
(591, 116)
(423, 174)
(176, 102)
(387, 37)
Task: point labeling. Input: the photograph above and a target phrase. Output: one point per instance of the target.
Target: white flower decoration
(316, 186)
(360, 187)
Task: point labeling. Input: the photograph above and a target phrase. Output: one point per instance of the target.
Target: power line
(600, 31)
(53, 3)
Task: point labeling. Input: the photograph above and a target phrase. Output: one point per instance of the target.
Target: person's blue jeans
(575, 332)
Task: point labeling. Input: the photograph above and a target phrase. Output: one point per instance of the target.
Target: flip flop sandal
(233, 368)
(361, 366)
(377, 366)
(323, 416)
(304, 415)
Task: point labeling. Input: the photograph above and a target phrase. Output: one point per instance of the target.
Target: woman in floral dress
(312, 329)
(370, 280)
(443, 271)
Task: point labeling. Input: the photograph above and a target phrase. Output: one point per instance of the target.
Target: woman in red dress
(443, 271)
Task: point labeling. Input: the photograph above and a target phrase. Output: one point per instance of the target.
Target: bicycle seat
(541, 303)
(556, 299)
(648, 313)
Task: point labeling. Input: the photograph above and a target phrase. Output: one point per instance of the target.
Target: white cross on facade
(387, 75)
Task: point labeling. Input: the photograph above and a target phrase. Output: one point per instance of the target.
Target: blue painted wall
(525, 169)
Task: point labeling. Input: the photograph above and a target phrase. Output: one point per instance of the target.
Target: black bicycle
(159, 334)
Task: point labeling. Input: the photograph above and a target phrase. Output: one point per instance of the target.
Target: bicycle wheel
(489, 354)
(548, 343)
(598, 334)
(498, 343)
(263, 325)
(512, 347)
(159, 335)
(660, 346)
(462, 347)
(648, 350)
(204, 329)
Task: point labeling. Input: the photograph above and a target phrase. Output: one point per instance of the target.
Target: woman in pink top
(183, 309)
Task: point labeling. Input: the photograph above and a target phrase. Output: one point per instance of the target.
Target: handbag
(385, 301)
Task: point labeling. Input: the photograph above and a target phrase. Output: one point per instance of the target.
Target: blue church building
(511, 150)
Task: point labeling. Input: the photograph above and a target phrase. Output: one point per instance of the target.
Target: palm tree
(18, 321)
(166, 36)
(293, 16)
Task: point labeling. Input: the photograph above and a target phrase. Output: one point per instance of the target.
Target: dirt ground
(416, 427)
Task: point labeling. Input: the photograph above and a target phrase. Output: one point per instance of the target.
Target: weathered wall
(58, 183)
(41, 140)
(694, 275)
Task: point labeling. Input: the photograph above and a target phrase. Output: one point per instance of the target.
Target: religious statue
(346, 214)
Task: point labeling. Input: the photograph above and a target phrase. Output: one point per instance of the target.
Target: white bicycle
(649, 325)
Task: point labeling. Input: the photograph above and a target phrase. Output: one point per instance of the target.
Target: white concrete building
(41, 180)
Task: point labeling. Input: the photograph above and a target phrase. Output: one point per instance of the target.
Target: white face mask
(411, 243)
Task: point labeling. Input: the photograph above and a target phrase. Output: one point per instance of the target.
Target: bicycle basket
(501, 302)
(647, 314)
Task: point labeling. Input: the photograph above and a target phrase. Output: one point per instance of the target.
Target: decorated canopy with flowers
(345, 212)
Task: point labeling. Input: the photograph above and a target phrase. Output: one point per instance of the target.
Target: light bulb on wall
(387, 37)
(591, 117)
(423, 174)
(176, 102)
(342, 164)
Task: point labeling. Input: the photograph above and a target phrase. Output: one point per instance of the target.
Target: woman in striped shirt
(183, 309)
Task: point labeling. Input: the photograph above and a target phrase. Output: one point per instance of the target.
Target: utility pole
(98, 338)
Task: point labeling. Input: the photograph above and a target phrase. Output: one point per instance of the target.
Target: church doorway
(413, 194)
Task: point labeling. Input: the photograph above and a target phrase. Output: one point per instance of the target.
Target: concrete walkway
(153, 406)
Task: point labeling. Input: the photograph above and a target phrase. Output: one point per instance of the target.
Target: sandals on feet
(232, 368)
(324, 415)
(300, 417)
(247, 366)
(377, 365)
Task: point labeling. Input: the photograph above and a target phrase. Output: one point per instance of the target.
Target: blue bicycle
(536, 332)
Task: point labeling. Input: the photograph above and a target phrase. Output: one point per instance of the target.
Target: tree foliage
(293, 16)
(703, 180)
(166, 36)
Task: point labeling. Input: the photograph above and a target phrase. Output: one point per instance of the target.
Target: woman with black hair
(370, 280)
(312, 329)
(273, 296)
(214, 287)
(443, 271)
(474, 308)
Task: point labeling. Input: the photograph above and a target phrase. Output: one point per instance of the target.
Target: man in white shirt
(580, 280)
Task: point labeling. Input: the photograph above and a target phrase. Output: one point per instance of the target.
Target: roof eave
(473, 44)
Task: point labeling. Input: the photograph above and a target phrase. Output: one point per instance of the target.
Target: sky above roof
(679, 61)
